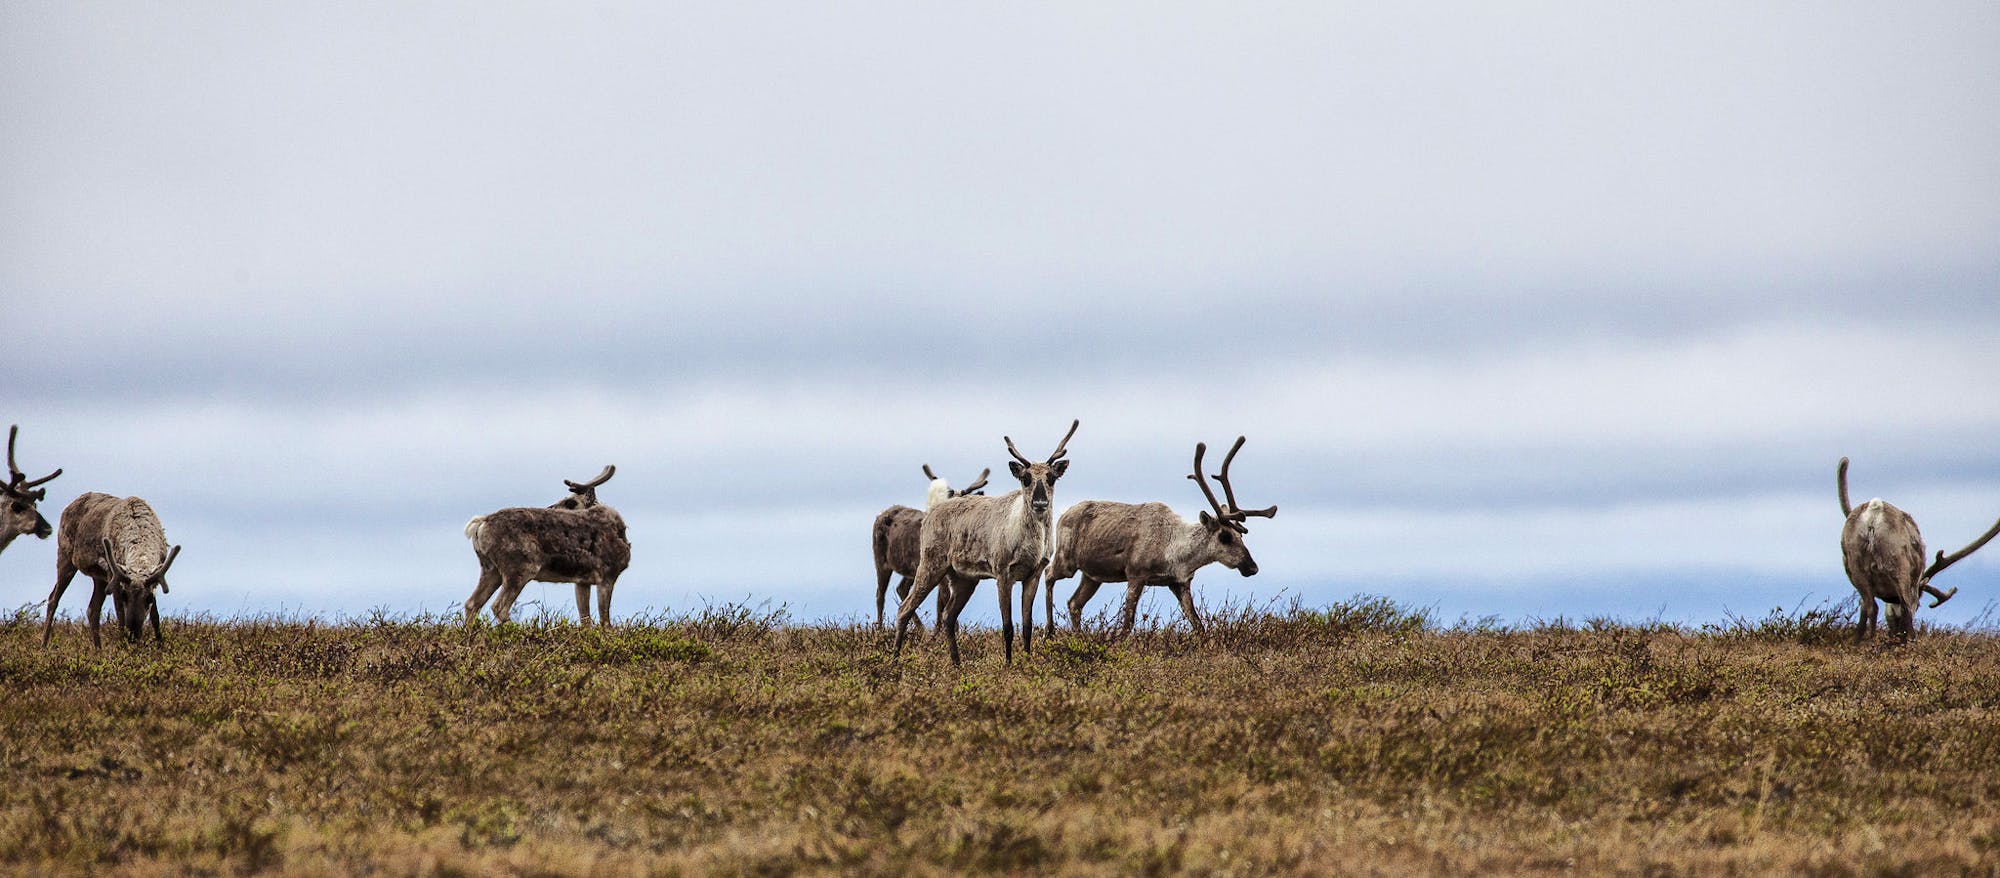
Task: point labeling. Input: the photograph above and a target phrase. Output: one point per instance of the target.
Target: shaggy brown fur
(1005, 539)
(120, 545)
(577, 540)
(18, 496)
(895, 538)
(1884, 556)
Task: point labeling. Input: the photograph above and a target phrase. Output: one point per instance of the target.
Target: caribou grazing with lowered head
(119, 544)
(577, 540)
(1147, 544)
(895, 536)
(1005, 538)
(18, 516)
(1884, 556)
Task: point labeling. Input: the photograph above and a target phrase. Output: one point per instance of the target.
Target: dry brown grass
(1359, 740)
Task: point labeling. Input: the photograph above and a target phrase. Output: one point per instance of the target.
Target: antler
(17, 481)
(928, 474)
(1944, 560)
(1227, 491)
(1845, 509)
(173, 553)
(1058, 453)
(1054, 455)
(976, 483)
(1233, 519)
(602, 477)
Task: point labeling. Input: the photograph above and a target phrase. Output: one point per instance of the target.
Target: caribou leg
(961, 592)
(65, 572)
(1004, 587)
(489, 582)
(1184, 591)
(1086, 588)
(96, 612)
(503, 607)
(928, 580)
(882, 575)
(604, 590)
(153, 612)
(1129, 613)
(1028, 611)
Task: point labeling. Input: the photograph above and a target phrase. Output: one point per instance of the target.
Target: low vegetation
(1361, 738)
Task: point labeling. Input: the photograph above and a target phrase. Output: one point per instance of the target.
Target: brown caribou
(1004, 538)
(577, 540)
(1147, 544)
(1884, 557)
(119, 544)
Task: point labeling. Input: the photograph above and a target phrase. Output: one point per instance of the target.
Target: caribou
(119, 544)
(18, 496)
(577, 539)
(895, 538)
(1884, 557)
(1147, 544)
(1005, 538)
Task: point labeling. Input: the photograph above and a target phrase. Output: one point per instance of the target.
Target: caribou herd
(960, 538)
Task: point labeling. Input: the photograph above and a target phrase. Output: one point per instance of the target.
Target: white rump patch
(940, 490)
(472, 527)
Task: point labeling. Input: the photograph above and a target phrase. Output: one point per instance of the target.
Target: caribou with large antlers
(18, 497)
(1147, 544)
(1004, 538)
(119, 544)
(896, 535)
(1884, 556)
(577, 540)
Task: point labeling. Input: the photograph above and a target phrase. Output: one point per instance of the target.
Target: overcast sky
(1556, 310)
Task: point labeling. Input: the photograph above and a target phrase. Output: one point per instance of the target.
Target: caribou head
(1225, 527)
(584, 496)
(18, 497)
(134, 588)
(1038, 479)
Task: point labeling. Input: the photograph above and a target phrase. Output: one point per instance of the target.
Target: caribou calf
(120, 545)
(577, 540)
(1147, 544)
(18, 496)
(1884, 556)
(1004, 538)
(895, 536)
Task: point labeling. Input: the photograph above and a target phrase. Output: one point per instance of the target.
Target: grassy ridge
(1359, 738)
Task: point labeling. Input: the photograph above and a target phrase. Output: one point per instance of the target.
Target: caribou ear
(1057, 469)
(1207, 520)
(1020, 472)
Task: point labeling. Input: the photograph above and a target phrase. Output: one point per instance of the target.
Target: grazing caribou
(18, 496)
(895, 537)
(1884, 556)
(119, 544)
(1005, 538)
(1147, 544)
(577, 540)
